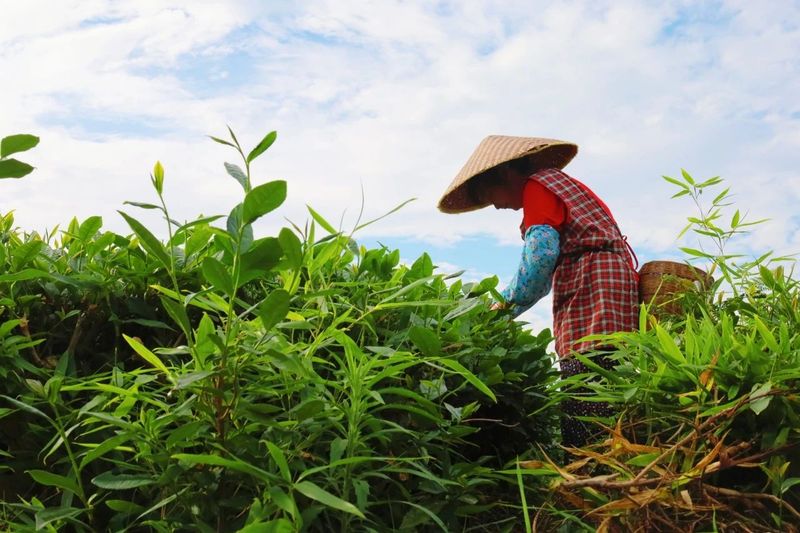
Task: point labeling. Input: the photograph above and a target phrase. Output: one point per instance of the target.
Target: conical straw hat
(498, 149)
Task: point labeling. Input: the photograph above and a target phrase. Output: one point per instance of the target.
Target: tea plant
(224, 382)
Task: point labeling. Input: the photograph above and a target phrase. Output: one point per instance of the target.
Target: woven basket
(661, 284)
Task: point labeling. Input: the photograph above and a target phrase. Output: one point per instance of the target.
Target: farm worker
(572, 242)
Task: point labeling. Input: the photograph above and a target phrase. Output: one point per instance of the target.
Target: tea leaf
(221, 141)
(148, 240)
(158, 177)
(313, 491)
(238, 174)
(292, 247)
(89, 228)
(426, 340)
(17, 143)
(265, 143)
(274, 308)
(217, 274)
(11, 168)
(263, 199)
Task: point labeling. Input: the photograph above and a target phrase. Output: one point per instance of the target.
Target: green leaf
(217, 274)
(274, 308)
(262, 256)
(469, 376)
(103, 448)
(17, 143)
(26, 252)
(676, 182)
(124, 507)
(24, 275)
(11, 168)
(321, 221)
(27, 408)
(280, 460)
(735, 219)
(238, 174)
(233, 464)
(760, 399)
(279, 525)
(54, 480)
(313, 491)
(687, 177)
(46, 516)
(146, 354)
(766, 334)
(89, 228)
(149, 242)
(142, 205)
(263, 199)
(110, 481)
(178, 313)
(789, 483)
(425, 340)
(668, 346)
(696, 253)
(292, 247)
(265, 143)
(221, 141)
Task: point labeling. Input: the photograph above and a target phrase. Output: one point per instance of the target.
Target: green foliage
(707, 434)
(220, 381)
(11, 167)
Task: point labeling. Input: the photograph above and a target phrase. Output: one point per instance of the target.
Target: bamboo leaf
(110, 481)
(469, 376)
(146, 354)
(313, 491)
(280, 460)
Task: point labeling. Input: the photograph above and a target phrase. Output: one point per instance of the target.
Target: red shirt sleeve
(540, 206)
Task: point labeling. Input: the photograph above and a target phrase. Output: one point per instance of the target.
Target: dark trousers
(577, 433)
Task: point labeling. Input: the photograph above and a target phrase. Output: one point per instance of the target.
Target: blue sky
(391, 97)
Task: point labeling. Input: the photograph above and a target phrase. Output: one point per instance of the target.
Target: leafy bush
(224, 382)
(707, 435)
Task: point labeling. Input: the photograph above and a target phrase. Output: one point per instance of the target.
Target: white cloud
(394, 96)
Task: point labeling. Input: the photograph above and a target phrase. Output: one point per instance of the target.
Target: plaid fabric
(595, 289)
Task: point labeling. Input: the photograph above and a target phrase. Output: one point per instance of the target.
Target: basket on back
(661, 284)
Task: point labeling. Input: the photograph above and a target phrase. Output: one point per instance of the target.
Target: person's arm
(534, 275)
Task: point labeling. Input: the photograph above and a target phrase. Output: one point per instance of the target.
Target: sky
(389, 98)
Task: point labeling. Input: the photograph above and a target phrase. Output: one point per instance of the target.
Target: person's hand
(499, 306)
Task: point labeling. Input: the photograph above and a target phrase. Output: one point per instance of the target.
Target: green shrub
(224, 382)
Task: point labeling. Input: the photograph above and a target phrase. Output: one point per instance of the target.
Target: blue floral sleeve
(534, 275)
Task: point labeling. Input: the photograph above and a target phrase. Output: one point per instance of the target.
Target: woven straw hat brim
(496, 150)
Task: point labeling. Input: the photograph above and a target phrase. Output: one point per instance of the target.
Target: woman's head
(501, 186)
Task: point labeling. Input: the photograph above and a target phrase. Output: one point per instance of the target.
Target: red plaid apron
(595, 285)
